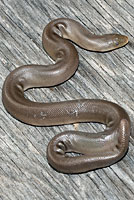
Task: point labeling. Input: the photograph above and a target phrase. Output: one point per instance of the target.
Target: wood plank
(24, 171)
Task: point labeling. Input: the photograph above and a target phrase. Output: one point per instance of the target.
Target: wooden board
(24, 171)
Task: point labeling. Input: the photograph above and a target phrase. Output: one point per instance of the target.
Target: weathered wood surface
(24, 171)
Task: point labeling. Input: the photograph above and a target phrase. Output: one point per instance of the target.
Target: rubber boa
(92, 150)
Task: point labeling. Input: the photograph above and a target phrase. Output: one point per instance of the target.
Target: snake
(70, 151)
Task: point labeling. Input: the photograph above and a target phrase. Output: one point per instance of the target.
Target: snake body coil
(96, 150)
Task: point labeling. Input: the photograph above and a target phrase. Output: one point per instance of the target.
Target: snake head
(109, 42)
(119, 40)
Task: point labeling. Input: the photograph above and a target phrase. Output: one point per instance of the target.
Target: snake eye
(116, 42)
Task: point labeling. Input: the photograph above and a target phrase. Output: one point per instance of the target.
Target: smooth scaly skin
(96, 150)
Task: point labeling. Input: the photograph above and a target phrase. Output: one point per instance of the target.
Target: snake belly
(93, 150)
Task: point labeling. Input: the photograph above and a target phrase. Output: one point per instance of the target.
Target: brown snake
(94, 150)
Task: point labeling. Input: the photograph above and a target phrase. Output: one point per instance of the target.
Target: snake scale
(92, 150)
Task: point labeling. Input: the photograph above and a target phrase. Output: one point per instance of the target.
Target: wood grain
(24, 171)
